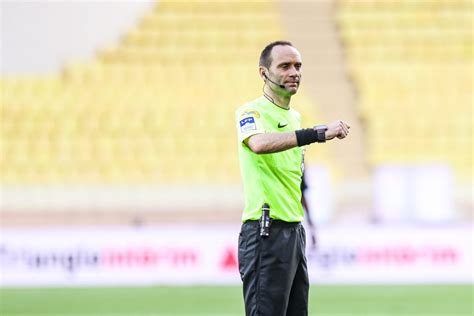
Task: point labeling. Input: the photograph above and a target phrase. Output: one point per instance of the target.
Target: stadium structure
(120, 184)
(138, 126)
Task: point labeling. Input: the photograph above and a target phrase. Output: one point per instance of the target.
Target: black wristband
(306, 136)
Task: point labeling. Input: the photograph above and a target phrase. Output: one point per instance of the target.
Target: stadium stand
(412, 64)
(158, 108)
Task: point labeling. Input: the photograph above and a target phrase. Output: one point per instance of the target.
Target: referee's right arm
(267, 143)
(271, 142)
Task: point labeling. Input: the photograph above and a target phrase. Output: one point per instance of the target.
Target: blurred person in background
(307, 211)
(272, 262)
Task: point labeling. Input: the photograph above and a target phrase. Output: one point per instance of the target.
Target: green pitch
(226, 301)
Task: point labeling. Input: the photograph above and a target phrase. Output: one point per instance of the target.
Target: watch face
(321, 130)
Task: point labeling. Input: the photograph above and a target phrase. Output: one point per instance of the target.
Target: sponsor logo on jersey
(247, 124)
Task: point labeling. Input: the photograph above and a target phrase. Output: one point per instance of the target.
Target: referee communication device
(265, 221)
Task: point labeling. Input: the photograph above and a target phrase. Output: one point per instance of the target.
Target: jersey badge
(247, 124)
(250, 113)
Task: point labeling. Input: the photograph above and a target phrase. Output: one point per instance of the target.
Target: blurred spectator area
(411, 62)
(144, 130)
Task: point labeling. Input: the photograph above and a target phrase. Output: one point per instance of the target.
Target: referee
(272, 264)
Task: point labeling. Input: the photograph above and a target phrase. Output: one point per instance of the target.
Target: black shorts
(273, 269)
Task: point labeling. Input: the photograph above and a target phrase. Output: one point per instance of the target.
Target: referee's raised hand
(338, 129)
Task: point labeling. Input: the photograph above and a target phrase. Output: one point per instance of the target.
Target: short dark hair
(265, 56)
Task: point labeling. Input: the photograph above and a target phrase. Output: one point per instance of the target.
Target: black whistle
(265, 221)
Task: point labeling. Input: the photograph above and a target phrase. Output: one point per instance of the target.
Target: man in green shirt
(273, 265)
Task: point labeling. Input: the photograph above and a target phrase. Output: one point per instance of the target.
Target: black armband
(308, 136)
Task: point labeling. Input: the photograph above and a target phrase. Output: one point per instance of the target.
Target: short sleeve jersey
(269, 178)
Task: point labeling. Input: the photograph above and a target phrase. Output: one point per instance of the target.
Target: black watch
(321, 130)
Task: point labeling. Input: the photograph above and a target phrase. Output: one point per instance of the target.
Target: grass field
(417, 300)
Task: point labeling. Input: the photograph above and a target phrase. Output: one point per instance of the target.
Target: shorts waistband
(275, 223)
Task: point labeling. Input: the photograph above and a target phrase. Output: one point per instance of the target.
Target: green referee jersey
(269, 178)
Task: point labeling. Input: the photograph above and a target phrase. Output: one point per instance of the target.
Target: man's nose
(294, 72)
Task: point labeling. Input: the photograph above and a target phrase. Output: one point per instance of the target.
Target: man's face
(285, 69)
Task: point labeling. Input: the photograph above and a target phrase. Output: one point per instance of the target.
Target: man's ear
(262, 71)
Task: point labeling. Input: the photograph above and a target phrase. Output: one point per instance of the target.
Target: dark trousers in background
(273, 269)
